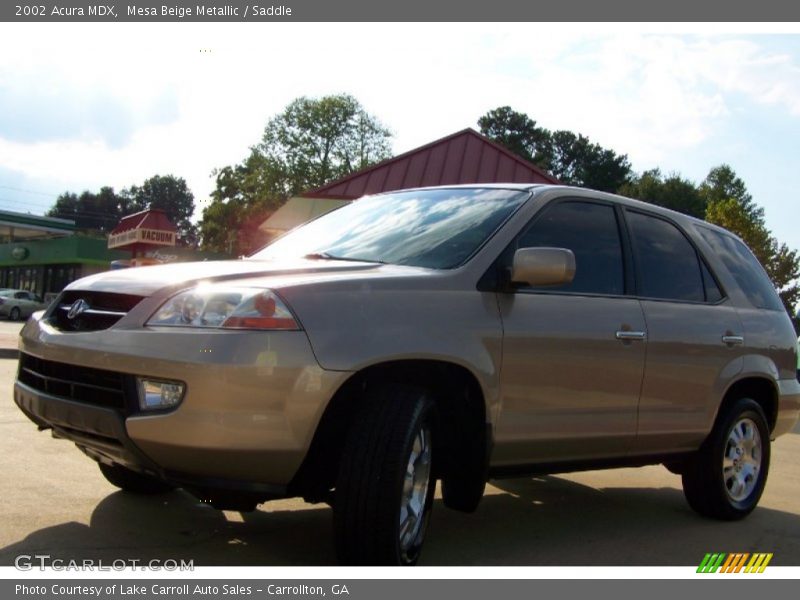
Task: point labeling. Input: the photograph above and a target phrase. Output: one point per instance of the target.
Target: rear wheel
(385, 488)
(726, 478)
(133, 482)
(15, 314)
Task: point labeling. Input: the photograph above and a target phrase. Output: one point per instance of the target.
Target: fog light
(155, 395)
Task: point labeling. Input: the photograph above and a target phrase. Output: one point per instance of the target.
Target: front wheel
(384, 491)
(15, 314)
(726, 478)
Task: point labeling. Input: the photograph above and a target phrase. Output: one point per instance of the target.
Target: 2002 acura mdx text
(451, 334)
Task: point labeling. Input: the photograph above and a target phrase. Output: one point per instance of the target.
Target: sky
(88, 105)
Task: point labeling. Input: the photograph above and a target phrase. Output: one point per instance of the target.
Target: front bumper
(252, 403)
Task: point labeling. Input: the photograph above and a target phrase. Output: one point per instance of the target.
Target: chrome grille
(98, 310)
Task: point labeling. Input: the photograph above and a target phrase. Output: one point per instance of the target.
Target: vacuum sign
(142, 236)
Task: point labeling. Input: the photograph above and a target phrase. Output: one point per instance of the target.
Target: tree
(673, 192)
(100, 212)
(722, 183)
(94, 212)
(518, 133)
(577, 161)
(732, 207)
(170, 194)
(570, 157)
(317, 141)
(245, 196)
(232, 228)
(312, 142)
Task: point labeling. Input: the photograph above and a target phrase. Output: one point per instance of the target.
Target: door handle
(733, 340)
(630, 335)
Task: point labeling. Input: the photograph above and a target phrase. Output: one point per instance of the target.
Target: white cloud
(649, 96)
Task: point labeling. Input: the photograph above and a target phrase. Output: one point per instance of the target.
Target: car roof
(638, 204)
(540, 188)
(472, 186)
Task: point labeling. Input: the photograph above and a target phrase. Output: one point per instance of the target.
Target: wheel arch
(760, 388)
(462, 428)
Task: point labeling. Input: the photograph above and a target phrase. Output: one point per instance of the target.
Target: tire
(386, 469)
(15, 314)
(726, 478)
(133, 482)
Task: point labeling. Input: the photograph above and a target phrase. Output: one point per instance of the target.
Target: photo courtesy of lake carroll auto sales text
(181, 590)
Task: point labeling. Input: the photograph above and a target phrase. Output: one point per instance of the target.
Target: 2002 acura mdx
(451, 334)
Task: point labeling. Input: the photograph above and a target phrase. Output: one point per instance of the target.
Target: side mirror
(543, 266)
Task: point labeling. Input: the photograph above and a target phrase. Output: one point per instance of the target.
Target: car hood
(145, 281)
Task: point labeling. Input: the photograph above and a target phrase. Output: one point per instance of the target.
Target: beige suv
(454, 334)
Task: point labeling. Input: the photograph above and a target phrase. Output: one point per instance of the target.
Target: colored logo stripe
(758, 563)
(710, 563)
(734, 563)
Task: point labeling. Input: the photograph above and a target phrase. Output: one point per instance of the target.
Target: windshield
(438, 229)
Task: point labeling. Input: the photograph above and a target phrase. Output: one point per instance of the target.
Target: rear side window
(745, 268)
(668, 265)
(591, 232)
(713, 293)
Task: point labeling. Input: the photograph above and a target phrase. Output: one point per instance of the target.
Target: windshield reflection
(437, 229)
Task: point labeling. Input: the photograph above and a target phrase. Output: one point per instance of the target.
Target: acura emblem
(78, 308)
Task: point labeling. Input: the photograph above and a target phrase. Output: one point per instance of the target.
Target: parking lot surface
(56, 502)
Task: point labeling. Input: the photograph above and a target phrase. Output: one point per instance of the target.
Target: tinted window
(591, 232)
(745, 268)
(668, 265)
(713, 293)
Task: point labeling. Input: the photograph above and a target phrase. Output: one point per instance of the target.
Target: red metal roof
(463, 157)
(154, 218)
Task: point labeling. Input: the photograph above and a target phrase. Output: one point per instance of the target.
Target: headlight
(219, 306)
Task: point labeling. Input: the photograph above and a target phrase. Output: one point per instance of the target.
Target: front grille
(71, 382)
(101, 311)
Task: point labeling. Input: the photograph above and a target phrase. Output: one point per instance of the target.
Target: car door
(694, 336)
(573, 357)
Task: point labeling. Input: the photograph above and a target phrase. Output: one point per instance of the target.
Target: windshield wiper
(326, 256)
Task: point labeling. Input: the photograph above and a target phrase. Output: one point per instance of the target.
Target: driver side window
(591, 231)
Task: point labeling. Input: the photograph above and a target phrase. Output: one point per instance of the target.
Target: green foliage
(312, 142)
(92, 212)
(98, 213)
(673, 192)
(577, 161)
(317, 141)
(570, 157)
(518, 133)
(722, 183)
(245, 196)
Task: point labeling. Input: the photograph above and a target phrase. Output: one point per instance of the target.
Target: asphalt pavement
(55, 502)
